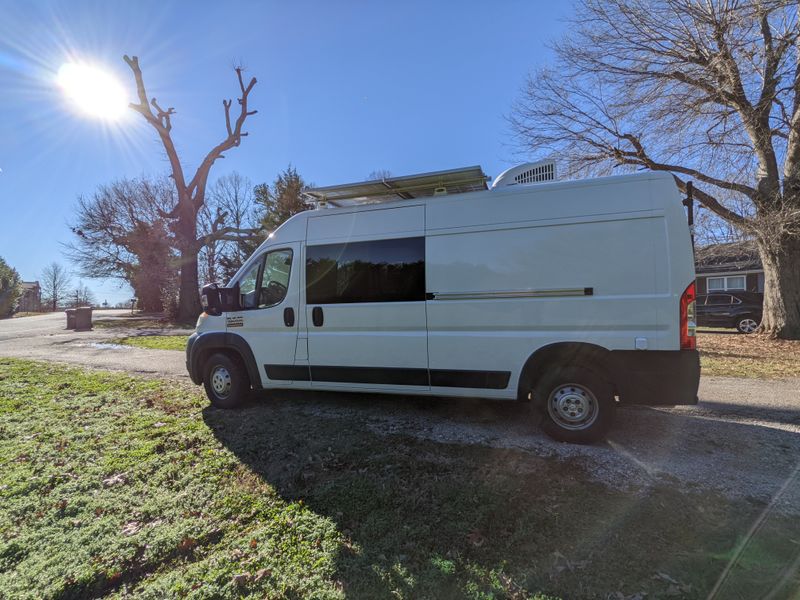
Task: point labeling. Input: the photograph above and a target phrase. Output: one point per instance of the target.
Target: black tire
(747, 324)
(225, 380)
(577, 405)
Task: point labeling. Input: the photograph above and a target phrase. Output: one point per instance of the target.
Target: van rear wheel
(578, 405)
(226, 381)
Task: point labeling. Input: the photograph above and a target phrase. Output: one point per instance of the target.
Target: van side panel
(329, 226)
(558, 266)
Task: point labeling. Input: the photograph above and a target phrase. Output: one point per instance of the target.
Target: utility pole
(688, 202)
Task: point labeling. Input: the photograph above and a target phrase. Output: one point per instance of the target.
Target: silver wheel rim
(572, 406)
(747, 325)
(220, 381)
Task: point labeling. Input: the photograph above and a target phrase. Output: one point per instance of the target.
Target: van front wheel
(578, 405)
(225, 381)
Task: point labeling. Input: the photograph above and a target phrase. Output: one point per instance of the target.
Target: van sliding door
(365, 299)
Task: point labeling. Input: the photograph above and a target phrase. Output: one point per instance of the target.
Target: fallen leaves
(131, 528)
(476, 538)
(261, 573)
(561, 563)
(187, 544)
(736, 355)
(118, 479)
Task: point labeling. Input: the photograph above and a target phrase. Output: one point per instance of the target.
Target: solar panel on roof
(453, 181)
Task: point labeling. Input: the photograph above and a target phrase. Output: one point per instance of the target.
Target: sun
(94, 91)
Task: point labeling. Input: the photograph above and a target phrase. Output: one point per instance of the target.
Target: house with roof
(31, 298)
(729, 267)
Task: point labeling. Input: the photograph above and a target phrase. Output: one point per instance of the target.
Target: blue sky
(344, 88)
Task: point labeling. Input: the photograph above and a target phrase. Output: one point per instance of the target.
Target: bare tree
(55, 282)
(709, 91)
(230, 203)
(191, 194)
(120, 233)
(80, 296)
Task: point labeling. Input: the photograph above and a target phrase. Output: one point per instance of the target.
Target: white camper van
(574, 295)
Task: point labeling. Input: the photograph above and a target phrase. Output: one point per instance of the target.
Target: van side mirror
(209, 299)
(215, 300)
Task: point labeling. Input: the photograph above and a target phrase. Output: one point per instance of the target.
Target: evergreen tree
(10, 289)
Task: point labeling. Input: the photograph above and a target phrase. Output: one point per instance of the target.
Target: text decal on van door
(234, 321)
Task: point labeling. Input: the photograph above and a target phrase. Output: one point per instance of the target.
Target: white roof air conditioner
(535, 172)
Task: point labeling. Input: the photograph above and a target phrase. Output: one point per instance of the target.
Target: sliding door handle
(317, 316)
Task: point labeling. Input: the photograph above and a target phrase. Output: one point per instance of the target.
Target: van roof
(407, 187)
(444, 183)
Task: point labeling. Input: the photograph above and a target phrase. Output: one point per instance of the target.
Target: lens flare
(93, 91)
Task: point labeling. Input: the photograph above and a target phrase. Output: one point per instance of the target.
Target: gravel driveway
(742, 440)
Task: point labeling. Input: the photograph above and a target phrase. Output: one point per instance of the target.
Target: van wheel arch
(230, 344)
(562, 354)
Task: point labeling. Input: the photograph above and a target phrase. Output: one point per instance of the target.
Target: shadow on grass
(426, 518)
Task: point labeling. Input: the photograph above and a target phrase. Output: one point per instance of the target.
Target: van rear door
(365, 299)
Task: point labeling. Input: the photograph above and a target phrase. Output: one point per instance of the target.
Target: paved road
(742, 439)
(44, 337)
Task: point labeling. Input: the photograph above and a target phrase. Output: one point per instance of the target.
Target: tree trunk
(189, 293)
(781, 263)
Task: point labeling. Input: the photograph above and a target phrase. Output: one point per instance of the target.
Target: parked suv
(741, 310)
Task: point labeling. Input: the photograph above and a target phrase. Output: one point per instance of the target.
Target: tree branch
(648, 162)
(791, 167)
(163, 115)
(160, 123)
(234, 137)
(230, 234)
(711, 203)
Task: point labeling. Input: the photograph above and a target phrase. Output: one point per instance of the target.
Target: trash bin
(83, 318)
(70, 318)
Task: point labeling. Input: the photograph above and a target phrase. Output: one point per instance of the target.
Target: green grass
(155, 342)
(118, 486)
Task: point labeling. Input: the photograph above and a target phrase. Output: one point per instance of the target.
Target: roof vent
(536, 172)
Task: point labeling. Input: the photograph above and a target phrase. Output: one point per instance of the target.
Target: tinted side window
(718, 299)
(375, 271)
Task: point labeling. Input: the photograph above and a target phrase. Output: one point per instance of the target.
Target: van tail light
(687, 323)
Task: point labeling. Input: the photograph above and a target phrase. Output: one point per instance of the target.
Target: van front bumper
(658, 378)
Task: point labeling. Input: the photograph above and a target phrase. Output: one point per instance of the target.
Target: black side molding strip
(382, 375)
(488, 380)
(493, 380)
(288, 372)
